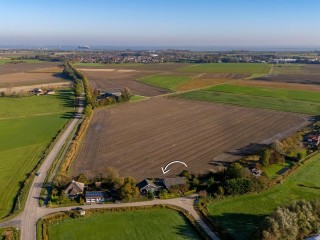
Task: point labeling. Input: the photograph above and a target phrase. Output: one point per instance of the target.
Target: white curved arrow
(165, 170)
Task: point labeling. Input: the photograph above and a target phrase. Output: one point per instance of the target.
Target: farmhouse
(74, 189)
(95, 197)
(314, 140)
(176, 181)
(114, 95)
(148, 185)
(37, 91)
(156, 185)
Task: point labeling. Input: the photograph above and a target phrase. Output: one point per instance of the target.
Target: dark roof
(169, 182)
(94, 194)
(74, 188)
(145, 183)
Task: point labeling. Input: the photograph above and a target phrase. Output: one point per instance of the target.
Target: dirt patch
(140, 138)
(24, 67)
(292, 78)
(26, 78)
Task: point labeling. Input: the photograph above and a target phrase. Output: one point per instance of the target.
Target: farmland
(112, 79)
(241, 215)
(162, 130)
(165, 81)
(27, 126)
(156, 79)
(293, 73)
(137, 224)
(269, 98)
(238, 68)
(16, 75)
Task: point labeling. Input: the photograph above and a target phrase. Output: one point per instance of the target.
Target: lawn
(165, 81)
(238, 68)
(272, 170)
(242, 215)
(268, 92)
(137, 224)
(25, 135)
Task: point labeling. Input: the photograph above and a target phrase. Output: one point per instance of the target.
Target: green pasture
(26, 129)
(3, 61)
(165, 81)
(257, 97)
(268, 92)
(238, 68)
(136, 224)
(242, 215)
(279, 69)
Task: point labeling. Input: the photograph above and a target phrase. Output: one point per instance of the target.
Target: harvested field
(280, 85)
(140, 138)
(28, 78)
(111, 79)
(292, 78)
(24, 67)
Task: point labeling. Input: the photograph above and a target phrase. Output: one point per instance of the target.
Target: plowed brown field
(140, 138)
(113, 79)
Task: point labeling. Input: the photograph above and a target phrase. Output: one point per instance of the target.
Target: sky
(160, 22)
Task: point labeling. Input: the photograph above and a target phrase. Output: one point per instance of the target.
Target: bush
(238, 186)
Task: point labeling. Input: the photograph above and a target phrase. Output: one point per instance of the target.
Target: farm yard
(242, 215)
(139, 138)
(27, 126)
(153, 223)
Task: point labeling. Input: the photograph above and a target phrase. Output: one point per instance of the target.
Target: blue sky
(161, 22)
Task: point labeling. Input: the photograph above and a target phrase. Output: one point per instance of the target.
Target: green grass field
(286, 69)
(24, 135)
(268, 92)
(3, 61)
(165, 81)
(272, 170)
(256, 97)
(137, 224)
(239, 68)
(241, 215)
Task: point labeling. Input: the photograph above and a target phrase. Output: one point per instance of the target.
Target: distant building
(95, 197)
(74, 189)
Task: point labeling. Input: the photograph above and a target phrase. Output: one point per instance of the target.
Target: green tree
(88, 110)
(265, 157)
(128, 190)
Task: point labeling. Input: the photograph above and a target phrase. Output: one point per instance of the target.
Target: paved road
(29, 216)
